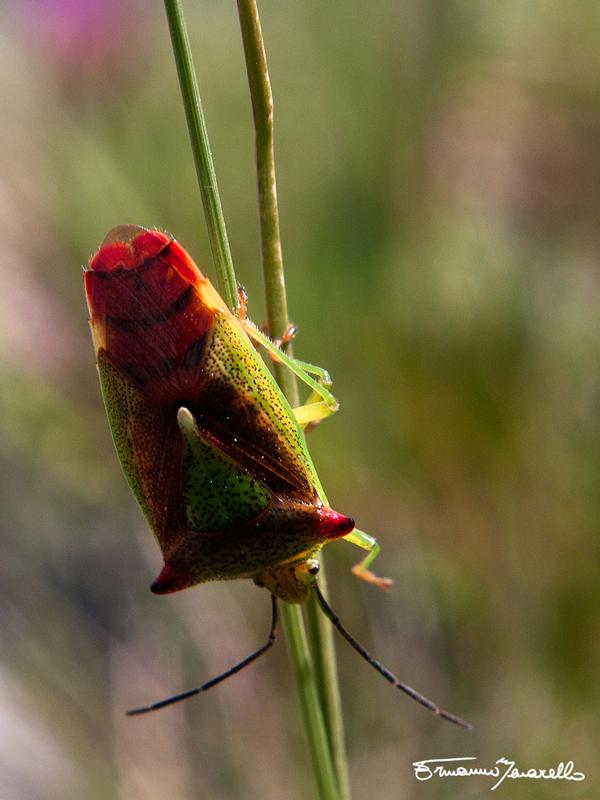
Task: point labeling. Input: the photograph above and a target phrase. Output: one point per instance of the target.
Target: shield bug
(214, 454)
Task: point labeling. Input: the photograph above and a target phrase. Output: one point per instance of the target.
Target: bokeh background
(439, 177)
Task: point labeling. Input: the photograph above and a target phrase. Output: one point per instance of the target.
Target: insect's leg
(321, 402)
(313, 411)
(289, 334)
(176, 698)
(242, 305)
(389, 676)
(367, 542)
(241, 313)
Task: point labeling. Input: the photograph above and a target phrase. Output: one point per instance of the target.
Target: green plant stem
(207, 179)
(321, 634)
(262, 110)
(312, 712)
(314, 709)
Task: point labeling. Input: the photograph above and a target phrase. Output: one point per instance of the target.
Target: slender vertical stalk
(312, 713)
(318, 734)
(207, 179)
(262, 110)
(321, 635)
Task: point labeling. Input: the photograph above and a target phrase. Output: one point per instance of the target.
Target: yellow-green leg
(321, 403)
(361, 570)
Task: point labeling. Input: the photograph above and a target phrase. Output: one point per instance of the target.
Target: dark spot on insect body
(195, 352)
(138, 323)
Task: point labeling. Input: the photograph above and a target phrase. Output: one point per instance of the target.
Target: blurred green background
(439, 181)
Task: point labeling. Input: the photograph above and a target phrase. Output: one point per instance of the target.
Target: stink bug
(214, 454)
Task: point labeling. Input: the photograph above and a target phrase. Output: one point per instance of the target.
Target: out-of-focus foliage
(439, 173)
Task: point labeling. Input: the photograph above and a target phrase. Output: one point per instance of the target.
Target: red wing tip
(127, 247)
(130, 246)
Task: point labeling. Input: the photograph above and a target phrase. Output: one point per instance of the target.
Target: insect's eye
(314, 568)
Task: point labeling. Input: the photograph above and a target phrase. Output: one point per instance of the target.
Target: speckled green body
(208, 443)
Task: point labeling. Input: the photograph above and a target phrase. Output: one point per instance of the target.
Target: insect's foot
(242, 307)
(366, 575)
(280, 341)
(289, 334)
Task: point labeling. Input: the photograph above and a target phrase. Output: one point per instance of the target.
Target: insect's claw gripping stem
(290, 333)
(242, 307)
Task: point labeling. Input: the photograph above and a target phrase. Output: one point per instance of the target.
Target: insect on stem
(389, 676)
(176, 698)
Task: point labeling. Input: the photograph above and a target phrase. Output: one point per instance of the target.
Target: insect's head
(291, 582)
